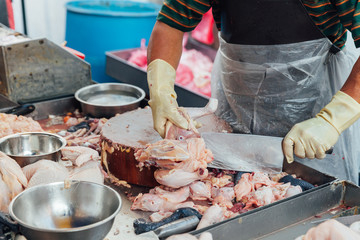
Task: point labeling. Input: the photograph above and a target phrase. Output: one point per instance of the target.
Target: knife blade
(245, 152)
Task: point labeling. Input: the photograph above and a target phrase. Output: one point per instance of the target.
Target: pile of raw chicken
(79, 160)
(187, 182)
(193, 72)
(181, 159)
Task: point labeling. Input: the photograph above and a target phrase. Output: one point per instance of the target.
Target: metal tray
(119, 68)
(38, 69)
(291, 217)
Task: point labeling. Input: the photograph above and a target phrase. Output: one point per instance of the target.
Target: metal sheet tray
(289, 211)
(292, 217)
(119, 68)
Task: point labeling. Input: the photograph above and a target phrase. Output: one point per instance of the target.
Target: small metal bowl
(29, 147)
(82, 210)
(108, 99)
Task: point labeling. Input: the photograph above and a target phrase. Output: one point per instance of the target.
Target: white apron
(266, 87)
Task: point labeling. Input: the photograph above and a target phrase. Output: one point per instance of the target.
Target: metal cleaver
(245, 152)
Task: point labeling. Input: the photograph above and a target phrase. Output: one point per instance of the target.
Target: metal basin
(27, 148)
(83, 210)
(108, 99)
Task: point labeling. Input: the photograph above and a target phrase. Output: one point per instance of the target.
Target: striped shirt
(332, 17)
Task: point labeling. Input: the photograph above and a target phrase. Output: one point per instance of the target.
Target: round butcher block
(124, 133)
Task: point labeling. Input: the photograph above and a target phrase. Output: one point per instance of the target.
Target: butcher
(282, 69)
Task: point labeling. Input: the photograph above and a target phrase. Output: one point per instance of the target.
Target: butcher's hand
(330, 230)
(313, 137)
(161, 79)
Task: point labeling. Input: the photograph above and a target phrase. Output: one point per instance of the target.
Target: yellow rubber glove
(311, 138)
(161, 80)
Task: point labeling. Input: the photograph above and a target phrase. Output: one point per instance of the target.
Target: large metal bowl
(108, 99)
(83, 210)
(29, 147)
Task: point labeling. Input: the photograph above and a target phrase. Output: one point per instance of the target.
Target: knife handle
(21, 110)
(182, 225)
(330, 151)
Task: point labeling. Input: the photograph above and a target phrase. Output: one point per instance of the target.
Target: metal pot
(29, 147)
(82, 210)
(108, 99)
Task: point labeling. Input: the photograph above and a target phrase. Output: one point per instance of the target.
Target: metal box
(119, 68)
(37, 69)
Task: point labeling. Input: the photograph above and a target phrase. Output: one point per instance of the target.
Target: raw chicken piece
(260, 179)
(12, 180)
(12, 175)
(79, 155)
(138, 57)
(219, 181)
(176, 178)
(244, 186)
(184, 75)
(193, 72)
(30, 169)
(201, 208)
(187, 236)
(223, 202)
(90, 171)
(280, 191)
(16, 124)
(200, 190)
(4, 196)
(330, 230)
(293, 190)
(205, 236)
(174, 150)
(224, 196)
(177, 196)
(200, 64)
(158, 216)
(45, 171)
(212, 215)
(180, 162)
(176, 133)
(261, 197)
(5, 129)
(163, 150)
(154, 203)
(188, 165)
(197, 150)
(72, 121)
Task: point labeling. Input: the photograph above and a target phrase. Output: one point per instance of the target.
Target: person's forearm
(352, 85)
(166, 44)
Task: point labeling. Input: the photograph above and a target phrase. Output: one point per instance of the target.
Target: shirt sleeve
(349, 14)
(183, 15)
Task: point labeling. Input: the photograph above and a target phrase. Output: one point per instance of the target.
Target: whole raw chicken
(12, 180)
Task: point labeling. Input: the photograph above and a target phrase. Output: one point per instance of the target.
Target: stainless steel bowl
(108, 99)
(84, 210)
(29, 147)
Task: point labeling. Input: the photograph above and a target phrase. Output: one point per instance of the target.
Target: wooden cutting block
(123, 134)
